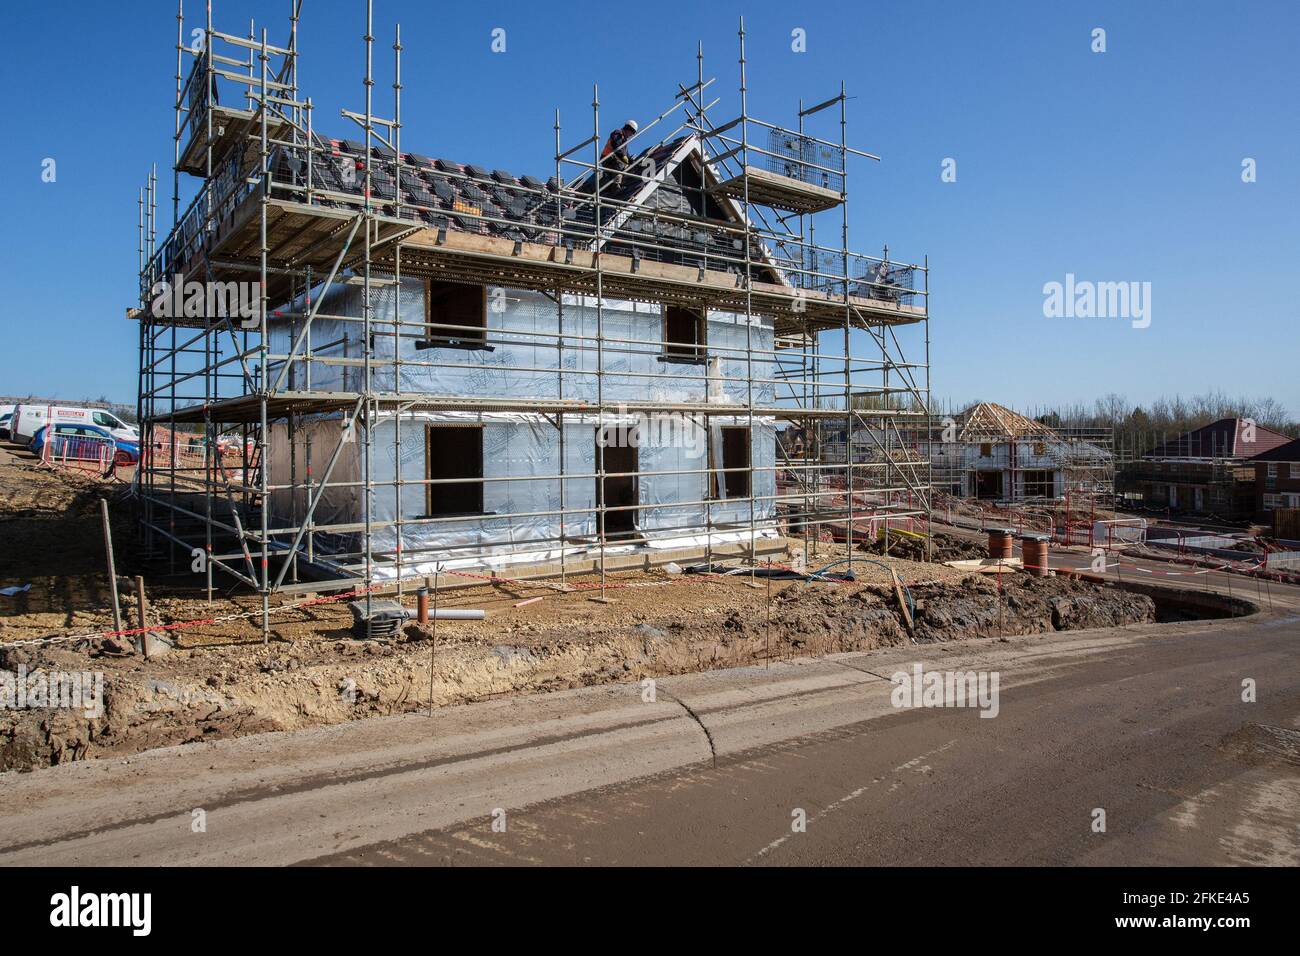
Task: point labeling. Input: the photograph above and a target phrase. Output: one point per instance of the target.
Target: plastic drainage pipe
(452, 614)
(456, 614)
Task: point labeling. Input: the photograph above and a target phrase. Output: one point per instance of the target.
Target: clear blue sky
(1118, 166)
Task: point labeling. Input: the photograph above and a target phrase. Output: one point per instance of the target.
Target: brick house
(1277, 480)
(1206, 471)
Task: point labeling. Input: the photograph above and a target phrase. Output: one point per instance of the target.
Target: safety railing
(805, 159)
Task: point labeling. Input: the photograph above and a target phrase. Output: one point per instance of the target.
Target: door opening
(618, 489)
(988, 485)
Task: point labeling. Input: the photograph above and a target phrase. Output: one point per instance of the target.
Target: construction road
(1145, 723)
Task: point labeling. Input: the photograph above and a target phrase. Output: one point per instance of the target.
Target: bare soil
(220, 680)
(943, 547)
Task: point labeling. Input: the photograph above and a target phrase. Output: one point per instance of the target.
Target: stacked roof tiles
(523, 208)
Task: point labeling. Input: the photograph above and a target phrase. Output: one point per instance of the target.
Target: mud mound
(944, 547)
(822, 621)
(1026, 606)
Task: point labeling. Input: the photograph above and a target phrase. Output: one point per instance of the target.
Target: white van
(28, 419)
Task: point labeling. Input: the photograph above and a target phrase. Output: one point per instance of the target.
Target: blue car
(66, 435)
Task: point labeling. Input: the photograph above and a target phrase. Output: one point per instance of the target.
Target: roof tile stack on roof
(497, 203)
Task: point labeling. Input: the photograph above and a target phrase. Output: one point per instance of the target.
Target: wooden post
(433, 642)
(141, 601)
(112, 569)
(767, 624)
(902, 604)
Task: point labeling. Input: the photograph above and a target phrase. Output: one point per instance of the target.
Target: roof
(1288, 452)
(473, 198)
(988, 421)
(1225, 438)
(457, 194)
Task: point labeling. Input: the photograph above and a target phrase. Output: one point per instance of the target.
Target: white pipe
(451, 614)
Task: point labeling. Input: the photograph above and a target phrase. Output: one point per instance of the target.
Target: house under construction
(453, 370)
(991, 453)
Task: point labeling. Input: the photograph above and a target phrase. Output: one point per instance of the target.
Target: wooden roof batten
(988, 421)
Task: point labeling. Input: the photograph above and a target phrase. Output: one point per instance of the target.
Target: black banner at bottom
(330, 905)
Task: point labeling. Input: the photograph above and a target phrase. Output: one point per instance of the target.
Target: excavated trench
(211, 694)
(1175, 605)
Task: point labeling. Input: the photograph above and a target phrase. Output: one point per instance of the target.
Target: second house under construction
(449, 368)
(990, 453)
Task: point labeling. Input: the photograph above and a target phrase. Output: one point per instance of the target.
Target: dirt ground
(943, 547)
(220, 680)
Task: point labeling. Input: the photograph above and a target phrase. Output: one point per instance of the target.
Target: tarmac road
(1146, 723)
(1153, 731)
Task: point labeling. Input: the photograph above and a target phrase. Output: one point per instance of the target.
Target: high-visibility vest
(614, 142)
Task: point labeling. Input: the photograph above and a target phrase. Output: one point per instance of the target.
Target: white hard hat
(632, 124)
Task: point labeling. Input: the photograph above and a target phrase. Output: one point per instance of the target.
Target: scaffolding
(300, 216)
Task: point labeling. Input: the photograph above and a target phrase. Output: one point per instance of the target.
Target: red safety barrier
(79, 452)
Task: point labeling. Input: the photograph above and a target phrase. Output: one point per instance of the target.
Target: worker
(615, 156)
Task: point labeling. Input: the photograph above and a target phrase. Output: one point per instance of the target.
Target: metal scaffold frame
(271, 209)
